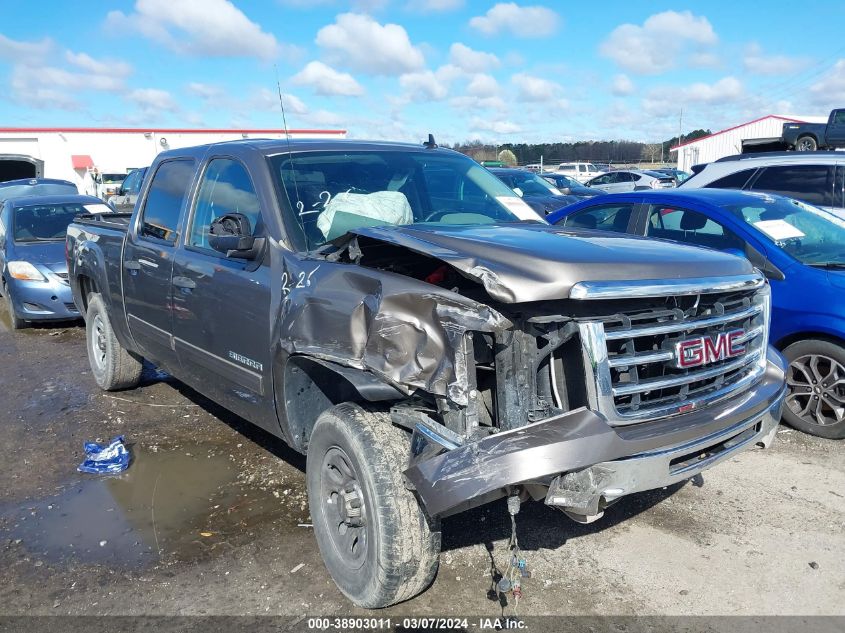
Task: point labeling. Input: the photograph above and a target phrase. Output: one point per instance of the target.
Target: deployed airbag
(347, 211)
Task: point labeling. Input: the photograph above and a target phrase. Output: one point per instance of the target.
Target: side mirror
(120, 191)
(231, 235)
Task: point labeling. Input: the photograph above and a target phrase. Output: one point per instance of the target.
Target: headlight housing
(25, 271)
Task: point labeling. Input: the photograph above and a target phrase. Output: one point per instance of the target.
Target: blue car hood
(49, 254)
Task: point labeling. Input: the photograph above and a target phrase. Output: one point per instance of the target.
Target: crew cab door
(148, 260)
(221, 305)
(835, 133)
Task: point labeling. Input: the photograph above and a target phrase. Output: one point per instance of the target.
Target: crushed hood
(518, 263)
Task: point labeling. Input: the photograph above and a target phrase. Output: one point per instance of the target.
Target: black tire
(806, 144)
(815, 403)
(397, 544)
(16, 322)
(113, 366)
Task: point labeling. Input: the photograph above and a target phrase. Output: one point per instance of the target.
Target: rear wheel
(16, 322)
(112, 365)
(806, 144)
(815, 403)
(377, 543)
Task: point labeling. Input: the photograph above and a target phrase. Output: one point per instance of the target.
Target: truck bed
(116, 221)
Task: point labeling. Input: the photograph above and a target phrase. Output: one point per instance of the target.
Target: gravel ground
(211, 518)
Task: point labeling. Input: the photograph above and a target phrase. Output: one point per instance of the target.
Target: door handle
(148, 263)
(131, 264)
(184, 282)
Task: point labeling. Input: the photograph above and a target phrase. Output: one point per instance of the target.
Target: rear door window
(606, 217)
(810, 183)
(736, 180)
(163, 206)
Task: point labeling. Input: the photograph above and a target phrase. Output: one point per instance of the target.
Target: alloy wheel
(816, 389)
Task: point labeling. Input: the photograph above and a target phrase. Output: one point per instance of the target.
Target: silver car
(626, 180)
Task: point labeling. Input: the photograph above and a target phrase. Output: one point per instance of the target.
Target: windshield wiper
(828, 265)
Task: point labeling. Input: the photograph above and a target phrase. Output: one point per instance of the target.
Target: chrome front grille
(634, 352)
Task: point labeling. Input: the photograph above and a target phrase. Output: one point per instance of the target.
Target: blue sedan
(800, 249)
(32, 256)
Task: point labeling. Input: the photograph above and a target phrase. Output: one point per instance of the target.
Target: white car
(582, 172)
(813, 177)
(626, 180)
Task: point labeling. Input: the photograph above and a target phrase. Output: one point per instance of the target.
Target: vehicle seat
(585, 221)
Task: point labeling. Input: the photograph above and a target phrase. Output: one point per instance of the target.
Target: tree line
(594, 151)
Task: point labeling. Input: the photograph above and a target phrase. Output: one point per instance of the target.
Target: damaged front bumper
(582, 464)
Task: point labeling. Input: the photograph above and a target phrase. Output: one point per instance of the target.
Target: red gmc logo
(704, 350)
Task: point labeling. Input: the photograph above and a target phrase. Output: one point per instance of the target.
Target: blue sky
(398, 69)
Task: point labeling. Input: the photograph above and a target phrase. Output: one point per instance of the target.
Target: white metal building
(757, 133)
(74, 153)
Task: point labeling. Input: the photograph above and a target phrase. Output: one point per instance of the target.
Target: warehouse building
(761, 134)
(79, 154)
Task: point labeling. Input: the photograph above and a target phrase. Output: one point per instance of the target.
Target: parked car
(108, 183)
(32, 255)
(817, 178)
(631, 180)
(582, 172)
(809, 137)
(36, 187)
(126, 195)
(537, 192)
(678, 174)
(800, 248)
(569, 186)
(402, 316)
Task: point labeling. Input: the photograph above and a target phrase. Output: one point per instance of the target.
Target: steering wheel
(438, 215)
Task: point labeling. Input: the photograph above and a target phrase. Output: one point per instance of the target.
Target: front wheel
(377, 543)
(806, 144)
(815, 403)
(16, 322)
(112, 365)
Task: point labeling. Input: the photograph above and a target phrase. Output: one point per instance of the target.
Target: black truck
(808, 137)
(400, 315)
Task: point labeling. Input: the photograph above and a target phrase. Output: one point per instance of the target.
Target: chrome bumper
(584, 494)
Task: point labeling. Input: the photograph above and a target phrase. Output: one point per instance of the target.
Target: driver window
(225, 188)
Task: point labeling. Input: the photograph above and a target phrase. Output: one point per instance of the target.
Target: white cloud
(98, 67)
(531, 88)
(432, 6)
(472, 103)
(19, 51)
(200, 27)
(470, 60)
(657, 45)
(152, 100)
(830, 91)
(482, 85)
(359, 42)
(704, 59)
(622, 86)
(205, 91)
(757, 62)
(424, 86)
(667, 100)
(268, 100)
(327, 81)
(533, 21)
(496, 126)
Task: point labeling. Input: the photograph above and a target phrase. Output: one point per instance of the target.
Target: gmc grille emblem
(703, 350)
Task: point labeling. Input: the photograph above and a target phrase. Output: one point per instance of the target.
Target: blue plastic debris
(113, 458)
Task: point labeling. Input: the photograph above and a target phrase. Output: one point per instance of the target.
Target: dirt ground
(211, 518)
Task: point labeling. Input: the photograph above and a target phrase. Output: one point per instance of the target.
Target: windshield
(111, 179)
(333, 192)
(44, 223)
(811, 235)
(45, 189)
(530, 184)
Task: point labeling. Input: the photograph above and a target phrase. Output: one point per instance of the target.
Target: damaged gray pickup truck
(401, 316)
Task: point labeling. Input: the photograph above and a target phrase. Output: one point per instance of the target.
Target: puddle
(167, 507)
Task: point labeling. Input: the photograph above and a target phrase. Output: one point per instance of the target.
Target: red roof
(162, 130)
(81, 161)
(762, 118)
